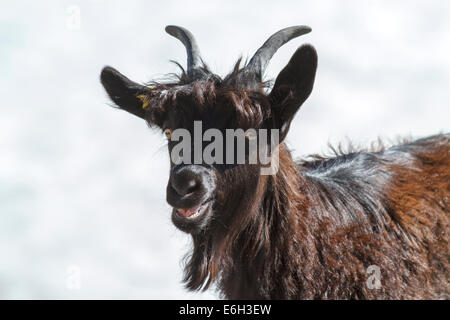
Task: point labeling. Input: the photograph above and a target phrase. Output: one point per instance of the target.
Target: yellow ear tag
(145, 100)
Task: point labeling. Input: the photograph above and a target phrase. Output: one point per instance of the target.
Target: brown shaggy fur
(312, 230)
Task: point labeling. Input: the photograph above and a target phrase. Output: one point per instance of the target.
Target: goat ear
(128, 95)
(292, 87)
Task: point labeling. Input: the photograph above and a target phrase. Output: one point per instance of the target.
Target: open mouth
(195, 219)
(191, 213)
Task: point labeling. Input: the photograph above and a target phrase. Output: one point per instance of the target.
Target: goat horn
(261, 58)
(193, 53)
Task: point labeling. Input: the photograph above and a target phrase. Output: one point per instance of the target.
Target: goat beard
(213, 248)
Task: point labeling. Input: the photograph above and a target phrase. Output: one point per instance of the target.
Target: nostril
(187, 181)
(184, 186)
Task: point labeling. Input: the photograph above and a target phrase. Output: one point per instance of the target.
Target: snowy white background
(83, 184)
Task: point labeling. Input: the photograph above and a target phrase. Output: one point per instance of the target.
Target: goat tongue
(188, 212)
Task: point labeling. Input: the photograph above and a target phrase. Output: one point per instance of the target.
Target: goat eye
(168, 133)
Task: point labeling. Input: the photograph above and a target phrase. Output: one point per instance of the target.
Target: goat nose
(185, 181)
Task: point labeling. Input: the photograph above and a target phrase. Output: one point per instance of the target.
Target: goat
(367, 224)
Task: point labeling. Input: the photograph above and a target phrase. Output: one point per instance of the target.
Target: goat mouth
(194, 212)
